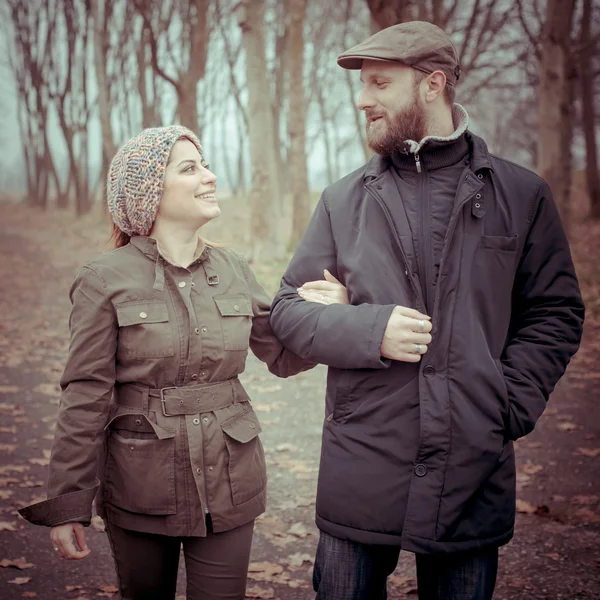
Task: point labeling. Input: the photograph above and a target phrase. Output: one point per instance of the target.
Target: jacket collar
(479, 157)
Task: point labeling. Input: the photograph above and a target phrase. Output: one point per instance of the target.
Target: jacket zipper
(449, 234)
(415, 286)
(425, 242)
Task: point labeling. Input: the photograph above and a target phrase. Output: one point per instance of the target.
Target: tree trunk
(266, 237)
(297, 123)
(592, 176)
(385, 13)
(101, 10)
(554, 71)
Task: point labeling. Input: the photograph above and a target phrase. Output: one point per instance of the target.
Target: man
(417, 448)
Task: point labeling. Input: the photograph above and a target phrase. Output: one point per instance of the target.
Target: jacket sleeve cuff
(68, 508)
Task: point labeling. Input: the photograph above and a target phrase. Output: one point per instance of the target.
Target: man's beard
(409, 123)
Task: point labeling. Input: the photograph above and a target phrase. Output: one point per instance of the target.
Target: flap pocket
(500, 242)
(138, 423)
(234, 306)
(136, 313)
(243, 427)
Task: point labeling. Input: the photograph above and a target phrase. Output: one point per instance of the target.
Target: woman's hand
(62, 540)
(327, 291)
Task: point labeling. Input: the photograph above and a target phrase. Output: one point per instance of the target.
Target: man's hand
(407, 335)
(327, 291)
(62, 540)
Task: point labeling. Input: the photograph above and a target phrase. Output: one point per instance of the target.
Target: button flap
(234, 306)
(243, 427)
(134, 313)
(133, 421)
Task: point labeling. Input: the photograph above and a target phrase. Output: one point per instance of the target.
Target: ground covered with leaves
(556, 550)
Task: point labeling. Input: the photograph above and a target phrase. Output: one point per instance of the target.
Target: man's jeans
(346, 570)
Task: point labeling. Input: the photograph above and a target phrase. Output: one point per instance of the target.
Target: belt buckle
(163, 400)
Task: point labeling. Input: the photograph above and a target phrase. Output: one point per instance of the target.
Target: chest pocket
(144, 330)
(236, 314)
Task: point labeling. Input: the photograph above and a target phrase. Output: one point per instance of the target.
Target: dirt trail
(556, 550)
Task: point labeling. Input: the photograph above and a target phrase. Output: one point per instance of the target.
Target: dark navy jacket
(421, 455)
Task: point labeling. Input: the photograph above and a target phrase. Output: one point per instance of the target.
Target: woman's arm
(87, 385)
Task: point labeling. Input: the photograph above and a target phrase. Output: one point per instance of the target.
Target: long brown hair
(118, 238)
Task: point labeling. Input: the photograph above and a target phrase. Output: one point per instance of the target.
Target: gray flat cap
(417, 44)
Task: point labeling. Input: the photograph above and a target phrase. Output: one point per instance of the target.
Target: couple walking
(449, 310)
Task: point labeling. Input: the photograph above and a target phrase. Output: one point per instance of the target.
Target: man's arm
(547, 318)
(343, 336)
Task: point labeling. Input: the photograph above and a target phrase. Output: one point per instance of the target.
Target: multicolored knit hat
(136, 177)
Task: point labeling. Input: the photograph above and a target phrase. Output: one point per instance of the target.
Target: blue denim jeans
(346, 570)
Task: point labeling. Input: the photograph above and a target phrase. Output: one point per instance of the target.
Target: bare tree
(187, 57)
(266, 238)
(297, 122)
(33, 32)
(588, 48)
(555, 102)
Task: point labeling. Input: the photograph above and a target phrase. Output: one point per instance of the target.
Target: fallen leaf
(12, 429)
(530, 468)
(566, 426)
(587, 515)
(298, 559)
(72, 588)
(553, 555)
(266, 388)
(258, 592)
(43, 462)
(557, 498)
(20, 580)
(525, 507)
(9, 389)
(31, 484)
(109, 589)
(589, 452)
(29, 595)
(285, 448)
(265, 570)
(14, 469)
(299, 530)
(584, 500)
(5, 494)
(48, 389)
(6, 526)
(18, 563)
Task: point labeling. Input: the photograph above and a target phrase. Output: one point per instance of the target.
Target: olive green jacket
(153, 421)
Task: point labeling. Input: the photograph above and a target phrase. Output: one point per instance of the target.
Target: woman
(153, 420)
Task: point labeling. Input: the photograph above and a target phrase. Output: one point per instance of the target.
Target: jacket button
(199, 471)
(252, 425)
(181, 284)
(236, 308)
(205, 420)
(204, 330)
(196, 421)
(196, 331)
(420, 470)
(478, 196)
(429, 371)
(194, 376)
(138, 421)
(143, 315)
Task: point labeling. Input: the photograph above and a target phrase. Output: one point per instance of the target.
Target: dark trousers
(346, 570)
(216, 566)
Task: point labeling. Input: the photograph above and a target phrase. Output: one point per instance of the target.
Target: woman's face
(189, 188)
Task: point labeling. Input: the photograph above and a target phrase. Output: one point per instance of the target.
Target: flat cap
(417, 44)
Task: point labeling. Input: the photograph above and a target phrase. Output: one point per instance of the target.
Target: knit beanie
(136, 177)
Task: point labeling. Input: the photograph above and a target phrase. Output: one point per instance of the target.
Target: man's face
(392, 105)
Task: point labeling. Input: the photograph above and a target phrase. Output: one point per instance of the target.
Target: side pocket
(140, 472)
(505, 402)
(247, 468)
